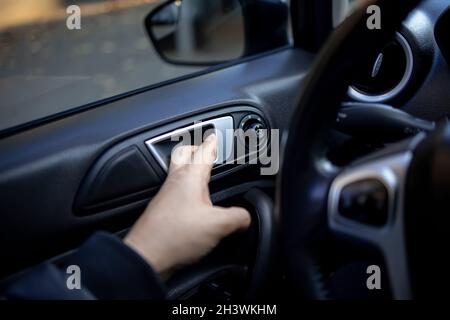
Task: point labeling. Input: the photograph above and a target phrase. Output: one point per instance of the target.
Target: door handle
(161, 146)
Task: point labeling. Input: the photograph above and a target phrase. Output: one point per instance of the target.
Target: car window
(61, 54)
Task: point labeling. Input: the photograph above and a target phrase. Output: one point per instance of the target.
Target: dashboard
(412, 71)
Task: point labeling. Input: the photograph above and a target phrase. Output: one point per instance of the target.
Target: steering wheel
(393, 200)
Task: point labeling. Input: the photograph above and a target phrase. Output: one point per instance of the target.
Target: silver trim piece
(224, 130)
(360, 96)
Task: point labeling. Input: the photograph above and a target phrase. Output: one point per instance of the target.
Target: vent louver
(386, 73)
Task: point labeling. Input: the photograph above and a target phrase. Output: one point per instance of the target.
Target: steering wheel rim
(306, 176)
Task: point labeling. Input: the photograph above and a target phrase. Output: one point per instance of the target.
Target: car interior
(361, 175)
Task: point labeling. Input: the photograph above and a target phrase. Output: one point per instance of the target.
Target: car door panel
(43, 168)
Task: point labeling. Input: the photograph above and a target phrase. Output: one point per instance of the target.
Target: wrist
(155, 260)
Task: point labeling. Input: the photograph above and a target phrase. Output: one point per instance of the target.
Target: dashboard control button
(365, 201)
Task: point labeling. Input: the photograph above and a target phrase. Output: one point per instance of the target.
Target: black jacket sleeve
(109, 269)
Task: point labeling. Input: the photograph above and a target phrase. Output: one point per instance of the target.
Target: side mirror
(209, 32)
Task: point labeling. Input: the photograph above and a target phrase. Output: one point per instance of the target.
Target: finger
(234, 219)
(181, 156)
(205, 156)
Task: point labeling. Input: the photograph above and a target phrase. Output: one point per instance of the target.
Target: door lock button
(254, 126)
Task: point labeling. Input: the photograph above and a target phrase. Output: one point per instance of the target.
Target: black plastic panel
(117, 178)
(442, 34)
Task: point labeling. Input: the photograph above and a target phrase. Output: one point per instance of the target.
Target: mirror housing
(205, 33)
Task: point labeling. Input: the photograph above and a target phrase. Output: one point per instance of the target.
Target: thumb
(234, 219)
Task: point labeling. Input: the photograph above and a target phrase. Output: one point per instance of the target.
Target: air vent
(386, 74)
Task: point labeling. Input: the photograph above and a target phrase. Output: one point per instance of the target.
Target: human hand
(181, 225)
